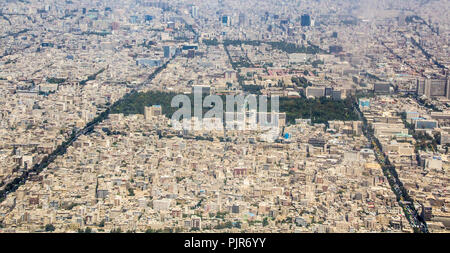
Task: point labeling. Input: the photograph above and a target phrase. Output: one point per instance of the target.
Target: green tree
(115, 231)
(49, 228)
(228, 224)
(265, 222)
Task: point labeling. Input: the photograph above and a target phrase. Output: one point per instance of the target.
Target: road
(396, 185)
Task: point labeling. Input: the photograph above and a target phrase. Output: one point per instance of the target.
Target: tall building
(225, 20)
(420, 87)
(133, 19)
(402, 20)
(194, 11)
(305, 20)
(241, 19)
(433, 87)
(148, 18)
(328, 91)
(167, 51)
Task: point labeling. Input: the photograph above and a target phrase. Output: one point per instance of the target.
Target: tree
(228, 224)
(118, 230)
(150, 231)
(316, 63)
(49, 228)
(212, 42)
(265, 222)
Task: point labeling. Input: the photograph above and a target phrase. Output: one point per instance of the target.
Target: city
(87, 136)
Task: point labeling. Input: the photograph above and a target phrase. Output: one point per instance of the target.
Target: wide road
(396, 185)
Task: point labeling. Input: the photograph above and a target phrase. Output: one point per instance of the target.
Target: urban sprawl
(88, 144)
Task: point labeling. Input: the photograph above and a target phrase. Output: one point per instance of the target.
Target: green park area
(318, 110)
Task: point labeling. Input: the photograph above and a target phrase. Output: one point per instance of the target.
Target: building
(445, 138)
(148, 18)
(305, 20)
(194, 11)
(335, 49)
(190, 53)
(190, 47)
(133, 19)
(241, 19)
(427, 212)
(382, 88)
(426, 124)
(317, 142)
(152, 111)
(298, 58)
(148, 62)
(167, 51)
(225, 20)
(411, 115)
(161, 204)
(364, 103)
(196, 222)
(433, 87)
(315, 92)
(337, 94)
(230, 75)
(386, 129)
(347, 127)
(328, 92)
